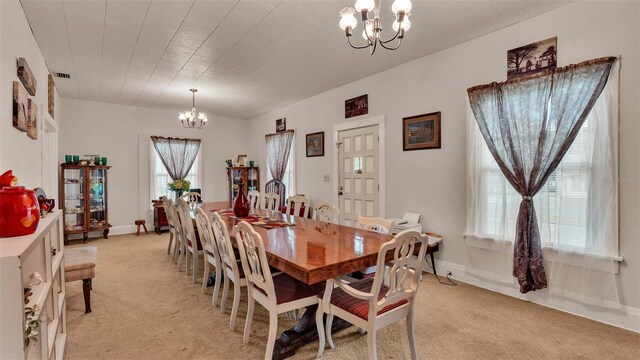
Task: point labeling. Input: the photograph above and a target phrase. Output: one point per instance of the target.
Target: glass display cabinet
(249, 176)
(83, 191)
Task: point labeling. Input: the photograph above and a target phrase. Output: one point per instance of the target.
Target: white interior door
(358, 174)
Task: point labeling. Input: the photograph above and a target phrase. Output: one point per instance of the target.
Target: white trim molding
(355, 124)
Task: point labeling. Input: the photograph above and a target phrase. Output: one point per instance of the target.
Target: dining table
(308, 250)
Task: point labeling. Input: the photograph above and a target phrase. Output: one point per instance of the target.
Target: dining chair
(166, 203)
(190, 238)
(365, 220)
(193, 198)
(372, 305)
(254, 200)
(172, 215)
(211, 253)
(298, 205)
(326, 212)
(278, 294)
(233, 271)
(272, 201)
(278, 187)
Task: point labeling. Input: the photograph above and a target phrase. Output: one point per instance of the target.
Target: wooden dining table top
(312, 251)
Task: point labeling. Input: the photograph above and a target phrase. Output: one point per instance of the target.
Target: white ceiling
(246, 57)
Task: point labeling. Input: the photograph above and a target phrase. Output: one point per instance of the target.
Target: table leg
(304, 332)
(433, 264)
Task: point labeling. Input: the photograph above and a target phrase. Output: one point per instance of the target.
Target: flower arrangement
(179, 186)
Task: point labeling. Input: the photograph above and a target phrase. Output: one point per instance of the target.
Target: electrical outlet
(327, 178)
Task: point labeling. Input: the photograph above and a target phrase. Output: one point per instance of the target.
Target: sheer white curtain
(577, 210)
(289, 178)
(159, 176)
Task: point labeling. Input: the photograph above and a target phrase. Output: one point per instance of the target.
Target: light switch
(327, 178)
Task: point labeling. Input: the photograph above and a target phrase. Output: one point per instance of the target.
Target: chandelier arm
(372, 47)
(392, 48)
(357, 46)
(393, 38)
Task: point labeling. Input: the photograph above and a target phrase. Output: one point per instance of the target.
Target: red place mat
(263, 222)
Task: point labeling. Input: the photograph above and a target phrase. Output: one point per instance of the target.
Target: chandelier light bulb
(369, 27)
(406, 24)
(401, 5)
(182, 116)
(347, 18)
(365, 5)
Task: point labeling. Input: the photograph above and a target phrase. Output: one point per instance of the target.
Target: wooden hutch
(249, 176)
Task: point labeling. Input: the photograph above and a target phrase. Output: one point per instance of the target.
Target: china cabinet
(83, 194)
(249, 176)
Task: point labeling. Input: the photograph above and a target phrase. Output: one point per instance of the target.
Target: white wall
(432, 182)
(17, 151)
(121, 133)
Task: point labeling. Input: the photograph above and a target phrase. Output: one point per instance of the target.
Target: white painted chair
(375, 225)
(326, 212)
(232, 268)
(193, 198)
(272, 201)
(364, 220)
(371, 305)
(167, 204)
(298, 205)
(172, 215)
(254, 200)
(192, 246)
(278, 294)
(211, 253)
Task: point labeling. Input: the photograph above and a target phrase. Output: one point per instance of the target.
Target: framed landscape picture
(32, 120)
(20, 105)
(315, 144)
(356, 106)
(533, 58)
(421, 132)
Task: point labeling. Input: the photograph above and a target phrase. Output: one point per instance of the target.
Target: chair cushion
(289, 289)
(358, 307)
(80, 262)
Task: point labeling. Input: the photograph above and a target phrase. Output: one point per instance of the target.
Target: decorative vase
(241, 203)
(19, 211)
(178, 194)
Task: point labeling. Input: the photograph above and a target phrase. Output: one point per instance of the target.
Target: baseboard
(627, 317)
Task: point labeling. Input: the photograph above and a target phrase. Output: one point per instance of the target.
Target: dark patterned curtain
(529, 123)
(177, 154)
(278, 149)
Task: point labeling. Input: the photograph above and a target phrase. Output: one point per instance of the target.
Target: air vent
(61, 75)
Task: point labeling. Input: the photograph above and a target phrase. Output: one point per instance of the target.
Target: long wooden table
(311, 251)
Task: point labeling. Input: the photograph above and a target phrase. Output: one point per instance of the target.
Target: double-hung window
(160, 177)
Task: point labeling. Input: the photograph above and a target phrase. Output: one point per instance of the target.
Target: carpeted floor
(144, 309)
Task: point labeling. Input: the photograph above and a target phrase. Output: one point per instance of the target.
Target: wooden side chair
(192, 246)
(278, 294)
(272, 201)
(298, 205)
(371, 305)
(386, 223)
(211, 253)
(176, 227)
(254, 200)
(192, 198)
(326, 212)
(168, 203)
(278, 187)
(232, 269)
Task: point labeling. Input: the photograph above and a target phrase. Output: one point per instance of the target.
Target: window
(160, 177)
(289, 178)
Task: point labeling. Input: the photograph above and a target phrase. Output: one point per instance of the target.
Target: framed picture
(32, 119)
(421, 132)
(242, 160)
(27, 78)
(51, 96)
(281, 125)
(532, 58)
(315, 144)
(356, 106)
(20, 106)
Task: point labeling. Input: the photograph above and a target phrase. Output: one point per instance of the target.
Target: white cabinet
(20, 257)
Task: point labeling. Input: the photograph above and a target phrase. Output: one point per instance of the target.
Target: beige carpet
(144, 309)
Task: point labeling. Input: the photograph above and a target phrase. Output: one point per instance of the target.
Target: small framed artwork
(242, 160)
(315, 144)
(356, 106)
(20, 106)
(421, 132)
(32, 120)
(51, 96)
(281, 125)
(26, 76)
(533, 58)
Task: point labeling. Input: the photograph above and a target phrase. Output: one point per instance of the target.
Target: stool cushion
(80, 262)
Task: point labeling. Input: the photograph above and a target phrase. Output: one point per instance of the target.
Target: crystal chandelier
(372, 27)
(188, 118)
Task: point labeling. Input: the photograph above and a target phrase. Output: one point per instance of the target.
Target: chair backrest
(298, 205)
(188, 231)
(254, 200)
(376, 229)
(225, 248)
(168, 205)
(173, 217)
(363, 220)
(272, 201)
(192, 198)
(254, 259)
(205, 231)
(326, 212)
(403, 278)
(278, 187)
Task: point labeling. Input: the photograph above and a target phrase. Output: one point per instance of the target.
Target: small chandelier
(188, 118)
(372, 29)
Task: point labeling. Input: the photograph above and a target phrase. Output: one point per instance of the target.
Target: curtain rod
(173, 138)
(281, 132)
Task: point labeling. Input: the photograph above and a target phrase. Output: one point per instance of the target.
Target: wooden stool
(138, 223)
(80, 264)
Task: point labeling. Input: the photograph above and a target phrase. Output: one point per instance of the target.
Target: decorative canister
(241, 204)
(19, 211)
